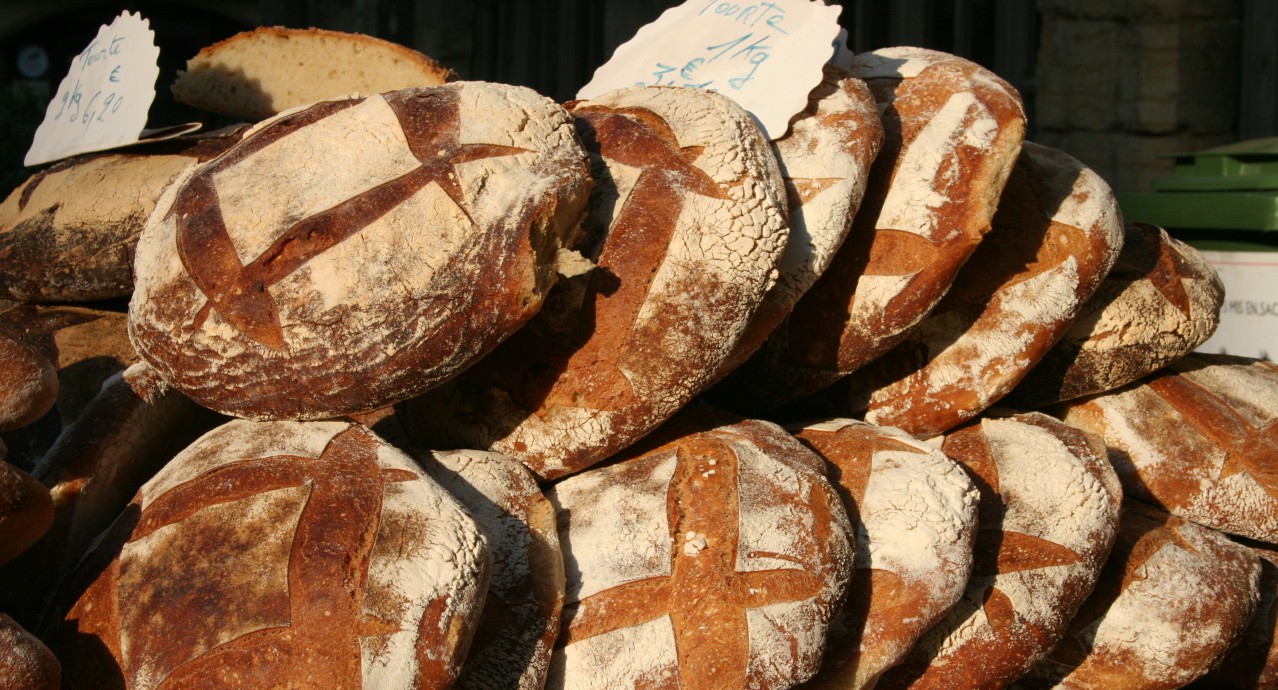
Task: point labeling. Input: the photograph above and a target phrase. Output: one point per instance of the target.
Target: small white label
(103, 101)
(767, 56)
(1249, 316)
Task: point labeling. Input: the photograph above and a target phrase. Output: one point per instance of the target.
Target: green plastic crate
(1224, 202)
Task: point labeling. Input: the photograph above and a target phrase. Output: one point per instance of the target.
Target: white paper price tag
(103, 101)
(767, 56)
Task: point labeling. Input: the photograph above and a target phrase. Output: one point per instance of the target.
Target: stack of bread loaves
(433, 383)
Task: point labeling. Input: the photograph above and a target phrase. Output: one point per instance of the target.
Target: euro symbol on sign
(691, 67)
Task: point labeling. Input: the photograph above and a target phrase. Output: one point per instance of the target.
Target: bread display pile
(451, 385)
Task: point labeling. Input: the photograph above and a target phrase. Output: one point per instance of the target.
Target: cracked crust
(687, 225)
(272, 287)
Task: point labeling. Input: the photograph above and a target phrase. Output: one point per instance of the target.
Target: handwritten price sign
(766, 56)
(103, 101)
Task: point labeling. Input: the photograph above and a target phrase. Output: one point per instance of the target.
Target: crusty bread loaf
(914, 511)
(355, 253)
(1252, 663)
(26, 511)
(1048, 516)
(280, 554)
(1172, 600)
(825, 159)
(1197, 439)
(1159, 302)
(128, 431)
(714, 560)
(25, 662)
(520, 621)
(28, 384)
(68, 233)
(1057, 232)
(87, 346)
(952, 133)
(268, 70)
(687, 224)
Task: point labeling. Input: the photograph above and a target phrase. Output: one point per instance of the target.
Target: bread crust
(284, 554)
(1056, 234)
(1048, 517)
(914, 512)
(687, 225)
(1173, 599)
(952, 134)
(270, 287)
(268, 70)
(1196, 438)
(713, 560)
(1159, 302)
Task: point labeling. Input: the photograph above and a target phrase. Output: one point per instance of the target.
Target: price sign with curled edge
(103, 101)
(767, 56)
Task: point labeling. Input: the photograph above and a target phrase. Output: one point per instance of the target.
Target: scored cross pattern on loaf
(239, 292)
(1248, 448)
(704, 584)
(735, 551)
(638, 236)
(327, 573)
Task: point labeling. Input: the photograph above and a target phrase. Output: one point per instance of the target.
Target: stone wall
(1123, 83)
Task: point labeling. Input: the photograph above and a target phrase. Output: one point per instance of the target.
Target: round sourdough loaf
(1199, 438)
(952, 133)
(1048, 515)
(280, 554)
(714, 560)
(132, 428)
(1057, 232)
(354, 253)
(1159, 302)
(68, 234)
(1252, 663)
(687, 225)
(1173, 599)
(914, 511)
(28, 384)
(88, 346)
(26, 511)
(25, 662)
(825, 159)
(271, 69)
(520, 621)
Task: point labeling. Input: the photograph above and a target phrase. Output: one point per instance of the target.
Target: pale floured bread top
(715, 558)
(1198, 438)
(687, 224)
(1049, 513)
(317, 540)
(525, 596)
(268, 70)
(1056, 235)
(952, 133)
(266, 265)
(825, 160)
(915, 513)
(1160, 300)
(1173, 598)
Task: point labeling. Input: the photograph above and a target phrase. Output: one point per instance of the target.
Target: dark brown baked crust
(69, 233)
(281, 555)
